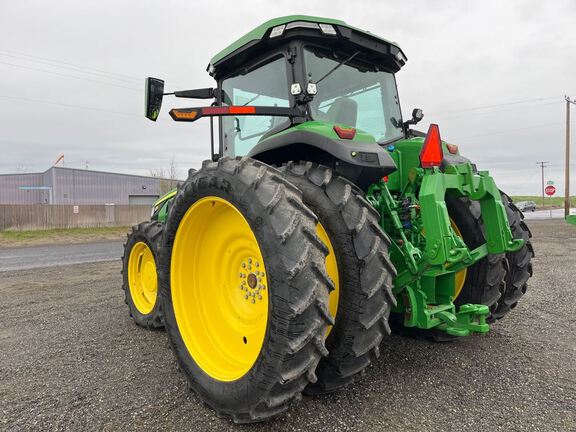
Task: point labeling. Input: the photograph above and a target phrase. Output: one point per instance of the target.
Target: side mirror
(154, 94)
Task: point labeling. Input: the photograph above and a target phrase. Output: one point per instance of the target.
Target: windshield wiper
(343, 62)
(252, 100)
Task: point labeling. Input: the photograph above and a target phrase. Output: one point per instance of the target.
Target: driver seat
(343, 110)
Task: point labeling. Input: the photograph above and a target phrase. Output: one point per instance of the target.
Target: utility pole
(543, 165)
(567, 161)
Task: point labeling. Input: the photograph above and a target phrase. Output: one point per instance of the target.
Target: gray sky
(517, 57)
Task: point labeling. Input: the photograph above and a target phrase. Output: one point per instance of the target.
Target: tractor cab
(306, 88)
(338, 76)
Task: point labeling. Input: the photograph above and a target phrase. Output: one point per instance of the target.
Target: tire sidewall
(139, 235)
(231, 395)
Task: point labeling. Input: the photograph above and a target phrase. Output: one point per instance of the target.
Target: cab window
(266, 85)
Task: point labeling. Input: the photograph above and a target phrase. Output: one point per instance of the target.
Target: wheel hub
(252, 280)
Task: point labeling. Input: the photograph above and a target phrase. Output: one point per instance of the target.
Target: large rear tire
(139, 274)
(485, 280)
(499, 280)
(244, 288)
(519, 262)
(362, 273)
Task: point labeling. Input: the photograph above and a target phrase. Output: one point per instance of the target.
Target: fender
(361, 160)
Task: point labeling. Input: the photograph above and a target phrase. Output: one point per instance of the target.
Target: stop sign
(550, 190)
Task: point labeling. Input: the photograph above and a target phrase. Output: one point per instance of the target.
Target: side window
(264, 86)
(370, 116)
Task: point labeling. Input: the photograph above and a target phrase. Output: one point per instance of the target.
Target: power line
(509, 130)
(132, 79)
(75, 106)
(98, 74)
(499, 105)
(497, 111)
(72, 76)
(67, 65)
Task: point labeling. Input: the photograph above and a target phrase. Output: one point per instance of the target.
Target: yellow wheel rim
(219, 289)
(332, 270)
(459, 277)
(142, 278)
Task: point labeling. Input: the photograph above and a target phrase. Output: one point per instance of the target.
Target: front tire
(139, 274)
(244, 288)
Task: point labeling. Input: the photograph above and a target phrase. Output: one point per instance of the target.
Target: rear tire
(364, 273)
(519, 262)
(276, 222)
(139, 275)
(486, 279)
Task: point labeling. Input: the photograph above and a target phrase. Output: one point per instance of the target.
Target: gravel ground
(71, 359)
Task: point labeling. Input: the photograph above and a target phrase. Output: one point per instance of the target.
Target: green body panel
(325, 129)
(160, 208)
(406, 154)
(426, 251)
(259, 32)
(166, 197)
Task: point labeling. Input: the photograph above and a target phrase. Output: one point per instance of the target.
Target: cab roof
(261, 35)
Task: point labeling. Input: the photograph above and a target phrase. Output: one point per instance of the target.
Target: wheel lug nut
(259, 297)
(246, 296)
(253, 300)
(243, 265)
(249, 260)
(257, 264)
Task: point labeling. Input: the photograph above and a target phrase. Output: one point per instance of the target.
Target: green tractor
(321, 222)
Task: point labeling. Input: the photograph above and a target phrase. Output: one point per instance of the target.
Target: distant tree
(168, 176)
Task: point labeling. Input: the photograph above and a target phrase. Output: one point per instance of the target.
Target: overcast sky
(493, 74)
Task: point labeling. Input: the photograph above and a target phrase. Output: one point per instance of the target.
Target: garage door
(142, 199)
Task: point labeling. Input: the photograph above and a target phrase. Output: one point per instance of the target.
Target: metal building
(59, 185)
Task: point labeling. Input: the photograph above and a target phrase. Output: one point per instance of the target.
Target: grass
(61, 235)
(555, 201)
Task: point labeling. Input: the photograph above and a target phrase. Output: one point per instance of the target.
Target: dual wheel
(276, 283)
(273, 282)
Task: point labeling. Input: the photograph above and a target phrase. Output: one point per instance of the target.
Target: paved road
(548, 214)
(71, 359)
(29, 257)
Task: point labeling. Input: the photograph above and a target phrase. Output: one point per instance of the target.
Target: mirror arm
(204, 93)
